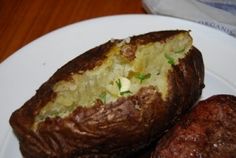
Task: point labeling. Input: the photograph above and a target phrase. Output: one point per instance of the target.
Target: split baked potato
(112, 100)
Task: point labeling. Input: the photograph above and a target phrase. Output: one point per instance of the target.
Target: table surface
(22, 21)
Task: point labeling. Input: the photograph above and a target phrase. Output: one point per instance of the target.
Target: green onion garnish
(142, 77)
(180, 50)
(118, 83)
(102, 96)
(170, 59)
(125, 92)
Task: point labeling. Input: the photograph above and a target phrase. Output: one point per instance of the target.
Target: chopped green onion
(180, 50)
(123, 85)
(170, 59)
(118, 83)
(142, 77)
(125, 92)
(102, 96)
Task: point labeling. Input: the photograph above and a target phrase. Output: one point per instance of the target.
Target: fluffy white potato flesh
(119, 77)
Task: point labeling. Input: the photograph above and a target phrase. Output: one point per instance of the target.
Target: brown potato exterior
(208, 131)
(115, 129)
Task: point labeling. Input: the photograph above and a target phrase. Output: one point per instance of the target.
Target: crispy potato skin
(116, 129)
(208, 131)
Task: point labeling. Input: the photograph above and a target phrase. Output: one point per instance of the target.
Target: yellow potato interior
(104, 83)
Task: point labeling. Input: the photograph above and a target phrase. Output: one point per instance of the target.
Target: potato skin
(116, 129)
(208, 131)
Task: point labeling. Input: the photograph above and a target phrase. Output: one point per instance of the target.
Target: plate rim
(106, 17)
(20, 51)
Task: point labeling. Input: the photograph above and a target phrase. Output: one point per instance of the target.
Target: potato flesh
(83, 90)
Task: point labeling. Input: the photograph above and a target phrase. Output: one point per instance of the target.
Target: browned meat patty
(208, 131)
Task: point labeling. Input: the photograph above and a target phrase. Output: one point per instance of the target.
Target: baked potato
(208, 131)
(112, 100)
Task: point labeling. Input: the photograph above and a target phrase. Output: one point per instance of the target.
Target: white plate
(29, 67)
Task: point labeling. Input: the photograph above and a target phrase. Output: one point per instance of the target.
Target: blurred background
(22, 21)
